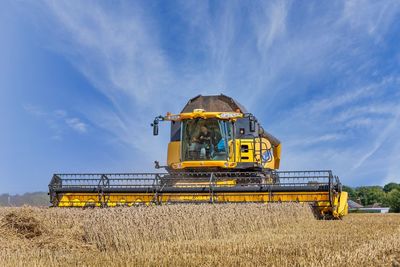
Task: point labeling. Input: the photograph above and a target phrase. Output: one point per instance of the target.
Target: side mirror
(155, 127)
(155, 124)
(252, 124)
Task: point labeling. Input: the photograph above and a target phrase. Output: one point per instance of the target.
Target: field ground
(196, 235)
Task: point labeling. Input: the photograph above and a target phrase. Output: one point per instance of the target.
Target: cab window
(205, 139)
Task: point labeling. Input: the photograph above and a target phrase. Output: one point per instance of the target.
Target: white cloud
(34, 110)
(380, 139)
(357, 130)
(360, 122)
(271, 25)
(119, 54)
(76, 124)
(342, 99)
(325, 138)
(372, 18)
(57, 120)
(314, 140)
(374, 109)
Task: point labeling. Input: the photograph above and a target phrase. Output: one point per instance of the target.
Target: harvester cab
(218, 153)
(215, 133)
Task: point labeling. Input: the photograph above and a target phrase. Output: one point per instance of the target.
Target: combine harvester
(218, 153)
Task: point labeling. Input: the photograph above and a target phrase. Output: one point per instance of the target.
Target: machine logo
(267, 156)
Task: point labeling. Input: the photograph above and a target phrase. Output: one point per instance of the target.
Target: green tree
(369, 195)
(393, 199)
(390, 186)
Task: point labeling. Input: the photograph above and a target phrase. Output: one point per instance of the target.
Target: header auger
(218, 153)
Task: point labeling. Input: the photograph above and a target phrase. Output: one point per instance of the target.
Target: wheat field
(196, 235)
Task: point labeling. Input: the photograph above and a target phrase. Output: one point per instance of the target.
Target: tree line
(32, 199)
(388, 195)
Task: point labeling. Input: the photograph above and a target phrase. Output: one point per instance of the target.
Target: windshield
(206, 139)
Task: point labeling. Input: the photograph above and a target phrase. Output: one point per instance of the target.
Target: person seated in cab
(204, 142)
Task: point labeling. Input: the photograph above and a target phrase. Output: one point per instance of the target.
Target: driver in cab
(203, 141)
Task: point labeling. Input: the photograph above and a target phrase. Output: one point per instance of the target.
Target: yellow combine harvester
(218, 153)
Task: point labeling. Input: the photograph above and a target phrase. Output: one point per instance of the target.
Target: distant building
(375, 208)
(354, 205)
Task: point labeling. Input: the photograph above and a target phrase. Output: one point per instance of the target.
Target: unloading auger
(218, 153)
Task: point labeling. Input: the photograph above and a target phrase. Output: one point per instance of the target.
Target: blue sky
(80, 81)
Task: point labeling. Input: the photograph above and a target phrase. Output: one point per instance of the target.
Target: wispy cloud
(57, 121)
(384, 109)
(76, 124)
(380, 139)
(361, 127)
(119, 54)
(373, 19)
(34, 110)
(316, 140)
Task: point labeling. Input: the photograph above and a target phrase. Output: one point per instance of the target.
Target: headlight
(177, 166)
